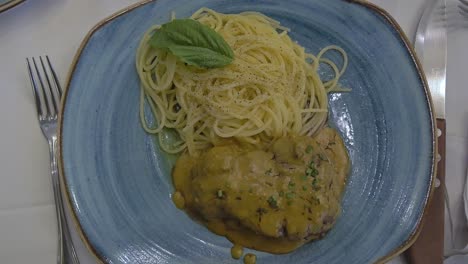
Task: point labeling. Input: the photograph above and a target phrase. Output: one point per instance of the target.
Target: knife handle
(429, 246)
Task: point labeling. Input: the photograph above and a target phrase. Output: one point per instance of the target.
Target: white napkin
(458, 259)
(457, 256)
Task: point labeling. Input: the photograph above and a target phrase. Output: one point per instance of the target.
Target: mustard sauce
(236, 251)
(250, 259)
(178, 200)
(273, 200)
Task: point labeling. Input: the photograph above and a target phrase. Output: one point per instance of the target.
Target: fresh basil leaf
(200, 57)
(193, 43)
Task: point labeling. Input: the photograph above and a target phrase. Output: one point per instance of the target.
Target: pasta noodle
(271, 89)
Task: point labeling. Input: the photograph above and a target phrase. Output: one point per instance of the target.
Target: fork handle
(429, 247)
(66, 251)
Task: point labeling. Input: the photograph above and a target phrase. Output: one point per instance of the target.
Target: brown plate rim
(10, 4)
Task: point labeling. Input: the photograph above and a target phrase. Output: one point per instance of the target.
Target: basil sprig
(193, 43)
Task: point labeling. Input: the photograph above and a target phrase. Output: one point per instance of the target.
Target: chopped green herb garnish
(309, 149)
(272, 202)
(314, 182)
(304, 188)
(290, 195)
(312, 164)
(314, 172)
(281, 193)
(289, 202)
(304, 177)
(220, 194)
(291, 184)
(268, 172)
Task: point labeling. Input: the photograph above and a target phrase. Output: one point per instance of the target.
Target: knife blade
(431, 49)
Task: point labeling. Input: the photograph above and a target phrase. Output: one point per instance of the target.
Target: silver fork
(463, 7)
(47, 94)
(456, 15)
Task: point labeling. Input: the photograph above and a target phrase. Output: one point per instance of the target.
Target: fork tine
(35, 90)
(456, 15)
(463, 6)
(54, 75)
(51, 89)
(44, 92)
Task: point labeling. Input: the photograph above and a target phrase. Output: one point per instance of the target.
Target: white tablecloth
(27, 215)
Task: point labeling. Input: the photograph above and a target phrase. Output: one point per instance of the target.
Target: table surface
(27, 214)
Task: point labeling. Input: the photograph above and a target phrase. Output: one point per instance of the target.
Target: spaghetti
(271, 89)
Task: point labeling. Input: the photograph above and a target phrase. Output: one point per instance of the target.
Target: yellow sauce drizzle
(237, 251)
(178, 200)
(250, 259)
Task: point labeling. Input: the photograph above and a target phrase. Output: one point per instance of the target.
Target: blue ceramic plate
(118, 180)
